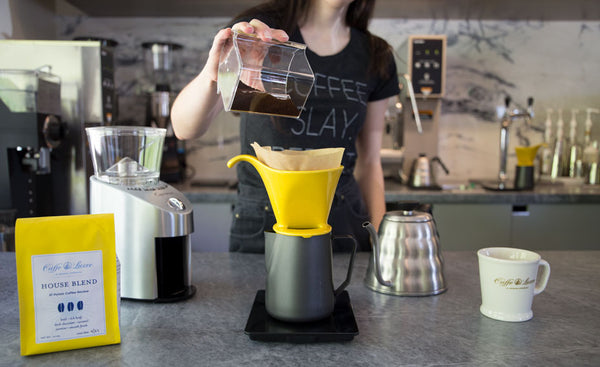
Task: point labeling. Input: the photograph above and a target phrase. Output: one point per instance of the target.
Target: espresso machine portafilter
(153, 220)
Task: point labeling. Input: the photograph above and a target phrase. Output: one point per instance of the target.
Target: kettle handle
(437, 159)
(375, 243)
(350, 264)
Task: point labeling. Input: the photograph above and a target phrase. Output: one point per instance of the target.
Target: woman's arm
(198, 103)
(368, 171)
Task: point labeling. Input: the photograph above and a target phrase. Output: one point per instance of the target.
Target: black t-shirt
(333, 114)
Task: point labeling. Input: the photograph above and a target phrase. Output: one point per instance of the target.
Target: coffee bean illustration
(70, 306)
(61, 307)
(80, 305)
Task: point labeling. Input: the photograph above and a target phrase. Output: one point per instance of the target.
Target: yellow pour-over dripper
(301, 200)
(526, 155)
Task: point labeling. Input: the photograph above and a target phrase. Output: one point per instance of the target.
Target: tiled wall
(557, 63)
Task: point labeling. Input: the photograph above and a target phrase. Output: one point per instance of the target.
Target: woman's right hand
(262, 30)
(255, 26)
(198, 104)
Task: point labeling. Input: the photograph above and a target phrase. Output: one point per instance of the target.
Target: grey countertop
(544, 193)
(446, 329)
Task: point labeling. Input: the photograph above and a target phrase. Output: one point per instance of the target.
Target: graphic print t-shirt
(333, 114)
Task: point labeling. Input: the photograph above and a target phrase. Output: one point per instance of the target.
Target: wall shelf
(408, 9)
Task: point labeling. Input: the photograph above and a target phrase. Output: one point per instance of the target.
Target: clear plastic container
(126, 155)
(272, 78)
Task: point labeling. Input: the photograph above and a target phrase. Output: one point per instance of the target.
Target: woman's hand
(263, 31)
(211, 68)
(221, 42)
(251, 52)
(198, 104)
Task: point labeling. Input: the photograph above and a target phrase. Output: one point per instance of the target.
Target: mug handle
(350, 264)
(540, 285)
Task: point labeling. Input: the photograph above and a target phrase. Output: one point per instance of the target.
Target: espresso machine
(160, 64)
(153, 221)
(422, 72)
(85, 70)
(34, 154)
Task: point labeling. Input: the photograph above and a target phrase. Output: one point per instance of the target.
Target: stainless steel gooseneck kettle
(421, 172)
(406, 259)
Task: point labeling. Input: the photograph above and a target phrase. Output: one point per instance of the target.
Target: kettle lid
(407, 216)
(407, 211)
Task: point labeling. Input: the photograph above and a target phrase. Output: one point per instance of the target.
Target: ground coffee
(248, 99)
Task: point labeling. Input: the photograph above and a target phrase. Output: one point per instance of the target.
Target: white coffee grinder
(153, 220)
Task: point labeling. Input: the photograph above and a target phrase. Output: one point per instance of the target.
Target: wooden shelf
(408, 9)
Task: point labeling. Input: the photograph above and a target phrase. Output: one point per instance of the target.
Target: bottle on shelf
(590, 150)
(558, 155)
(574, 150)
(546, 151)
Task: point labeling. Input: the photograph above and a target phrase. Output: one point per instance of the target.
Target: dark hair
(292, 12)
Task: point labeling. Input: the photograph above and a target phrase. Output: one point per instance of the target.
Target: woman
(354, 76)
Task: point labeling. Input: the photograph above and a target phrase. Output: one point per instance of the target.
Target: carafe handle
(350, 264)
(375, 242)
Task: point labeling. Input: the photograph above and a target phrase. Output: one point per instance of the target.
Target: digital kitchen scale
(338, 327)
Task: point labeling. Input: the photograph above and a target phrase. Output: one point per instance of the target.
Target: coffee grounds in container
(248, 99)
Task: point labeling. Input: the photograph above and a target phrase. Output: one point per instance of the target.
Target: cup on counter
(509, 279)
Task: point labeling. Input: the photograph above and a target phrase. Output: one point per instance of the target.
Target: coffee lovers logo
(513, 283)
(65, 266)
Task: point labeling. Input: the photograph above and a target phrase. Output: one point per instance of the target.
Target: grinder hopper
(126, 155)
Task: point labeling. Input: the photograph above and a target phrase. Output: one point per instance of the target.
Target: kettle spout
(375, 243)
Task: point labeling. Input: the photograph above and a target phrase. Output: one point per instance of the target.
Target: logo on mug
(514, 283)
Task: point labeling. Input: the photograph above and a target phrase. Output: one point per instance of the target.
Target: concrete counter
(447, 329)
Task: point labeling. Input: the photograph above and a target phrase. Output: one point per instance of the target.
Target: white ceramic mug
(509, 280)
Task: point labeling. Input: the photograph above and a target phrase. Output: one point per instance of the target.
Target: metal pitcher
(406, 259)
(421, 173)
(299, 285)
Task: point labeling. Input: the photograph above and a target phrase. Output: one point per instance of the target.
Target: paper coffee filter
(299, 160)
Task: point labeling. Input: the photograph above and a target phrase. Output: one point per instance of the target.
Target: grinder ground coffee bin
(300, 302)
(153, 221)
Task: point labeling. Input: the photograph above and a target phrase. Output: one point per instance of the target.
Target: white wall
(554, 61)
(27, 19)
